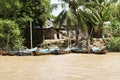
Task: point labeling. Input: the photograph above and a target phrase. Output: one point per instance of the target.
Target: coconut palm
(73, 16)
(101, 12)
(85, 14)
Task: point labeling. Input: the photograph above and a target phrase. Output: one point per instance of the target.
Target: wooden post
(31, 44)
(8, 42)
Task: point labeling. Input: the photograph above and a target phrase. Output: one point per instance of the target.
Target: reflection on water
(61, 67)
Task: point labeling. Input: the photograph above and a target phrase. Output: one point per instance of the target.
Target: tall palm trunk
(77, 32)
(76, 25)
(99, 35)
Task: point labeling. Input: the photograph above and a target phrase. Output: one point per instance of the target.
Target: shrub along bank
(113, 44)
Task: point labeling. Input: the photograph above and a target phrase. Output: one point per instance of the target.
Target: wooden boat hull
(80, 51)
(100, 52)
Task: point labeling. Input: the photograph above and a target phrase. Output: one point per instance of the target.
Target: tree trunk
(8, 42)
(100, 31)
(97, 32)
(58, 36)
(77, 33)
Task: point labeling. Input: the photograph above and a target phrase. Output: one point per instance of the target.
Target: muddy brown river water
(61, 67)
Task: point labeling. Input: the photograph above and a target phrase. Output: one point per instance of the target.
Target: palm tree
(73, 15)
(101, 12)
(85, 14)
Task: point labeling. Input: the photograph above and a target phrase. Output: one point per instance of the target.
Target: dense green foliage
(37, 10)
(20, 13)
(101, 13)
(16, 15)
(114, 44)
(9, 35)
(115, 21)
(9, 9)
(115, 28)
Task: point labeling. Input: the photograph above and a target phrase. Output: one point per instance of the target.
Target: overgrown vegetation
(114, 44)
(90, 16)
(15, 17)
(115, 21)
(10, 35)
(115, 28)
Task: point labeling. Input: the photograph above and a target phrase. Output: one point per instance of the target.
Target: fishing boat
(47, 51)
(80, 50)
(98, 50)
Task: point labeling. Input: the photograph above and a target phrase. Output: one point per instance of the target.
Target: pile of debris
(98, 45)
(95, 45)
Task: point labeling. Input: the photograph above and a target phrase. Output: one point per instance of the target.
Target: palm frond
(81, 21)
(61, 18)
(71, 19)
(105, 13)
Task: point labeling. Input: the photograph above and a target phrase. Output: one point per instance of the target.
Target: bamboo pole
(31, 44)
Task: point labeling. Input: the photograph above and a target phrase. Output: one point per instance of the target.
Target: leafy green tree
(114, 44)
(10, 35)
(115, 21)
(36, 11)
(9, 9)
(24, 11)
(101, 12)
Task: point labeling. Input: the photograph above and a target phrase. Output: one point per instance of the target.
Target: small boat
(46, 51)
(97, 50)
(100, 52)
(4, 53)
(29, 50)
(68, 49)
(80, 51)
